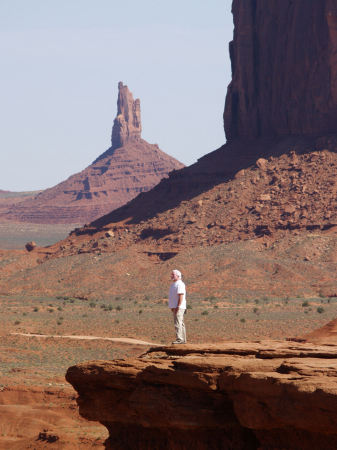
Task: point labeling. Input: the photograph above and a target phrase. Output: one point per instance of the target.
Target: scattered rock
(47, 437)
(30, 246)
(262, 164)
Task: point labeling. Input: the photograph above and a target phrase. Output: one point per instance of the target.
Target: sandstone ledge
(266, 395)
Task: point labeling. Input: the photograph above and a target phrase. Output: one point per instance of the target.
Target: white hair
(177, 273)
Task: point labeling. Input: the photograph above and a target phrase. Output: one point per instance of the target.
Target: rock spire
(127, 124)
(284, 69)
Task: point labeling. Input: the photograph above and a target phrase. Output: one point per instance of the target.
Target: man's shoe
(179, 342)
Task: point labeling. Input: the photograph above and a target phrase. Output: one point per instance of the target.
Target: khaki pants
(179, 325)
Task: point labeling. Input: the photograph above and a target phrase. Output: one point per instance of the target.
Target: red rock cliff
(267, 395)
(284, 69)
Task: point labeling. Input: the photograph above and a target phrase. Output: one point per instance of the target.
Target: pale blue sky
(61, 61)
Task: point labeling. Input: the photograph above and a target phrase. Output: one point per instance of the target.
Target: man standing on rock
(177, 303)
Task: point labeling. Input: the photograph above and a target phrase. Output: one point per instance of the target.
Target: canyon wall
(284, 69)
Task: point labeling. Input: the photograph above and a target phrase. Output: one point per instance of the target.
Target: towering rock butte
(284, 69)
(130, 166)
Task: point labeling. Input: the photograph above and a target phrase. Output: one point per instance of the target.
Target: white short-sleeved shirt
(178, 287)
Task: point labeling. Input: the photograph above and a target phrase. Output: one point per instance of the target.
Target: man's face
(174, 277)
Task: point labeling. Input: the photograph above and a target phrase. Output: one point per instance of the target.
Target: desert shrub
(109, 308)
(204, 313)
(92, 305)
(84, 315)
(119, 308)
(35, 309)
(215, 306)
(51, 305)
(71, 300)
(305, 303)
(140, 311)
(50, 310)
(189, 306)
(243, 320)
(255, 310)
(60, 308)
(117, 321)
(59, 322)
(24, 314)
(17, 322)
(103, 306)
(257, 301)
(320, 310)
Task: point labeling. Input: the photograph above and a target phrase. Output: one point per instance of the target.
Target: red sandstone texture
(263, 395)
(284, 69)
(130, 166)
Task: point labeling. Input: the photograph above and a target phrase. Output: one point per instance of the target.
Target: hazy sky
(61, 61)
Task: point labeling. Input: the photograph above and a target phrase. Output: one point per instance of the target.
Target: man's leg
(183, 326)
(180, 325)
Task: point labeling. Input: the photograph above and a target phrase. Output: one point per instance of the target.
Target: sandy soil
(90, 338)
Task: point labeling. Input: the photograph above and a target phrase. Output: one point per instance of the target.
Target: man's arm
(180, 300)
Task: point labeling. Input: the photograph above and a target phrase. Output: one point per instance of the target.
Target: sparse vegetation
(320, 310)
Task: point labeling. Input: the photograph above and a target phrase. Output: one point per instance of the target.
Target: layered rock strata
(130, 166)
(263, 395)
(284, 69)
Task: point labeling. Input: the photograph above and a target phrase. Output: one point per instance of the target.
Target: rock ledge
(266, 395)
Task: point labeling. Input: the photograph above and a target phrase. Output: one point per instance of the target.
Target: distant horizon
(61, 67)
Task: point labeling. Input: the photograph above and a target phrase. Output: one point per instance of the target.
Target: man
(177, 303)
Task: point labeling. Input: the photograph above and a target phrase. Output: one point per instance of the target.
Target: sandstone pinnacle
(127, 124)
